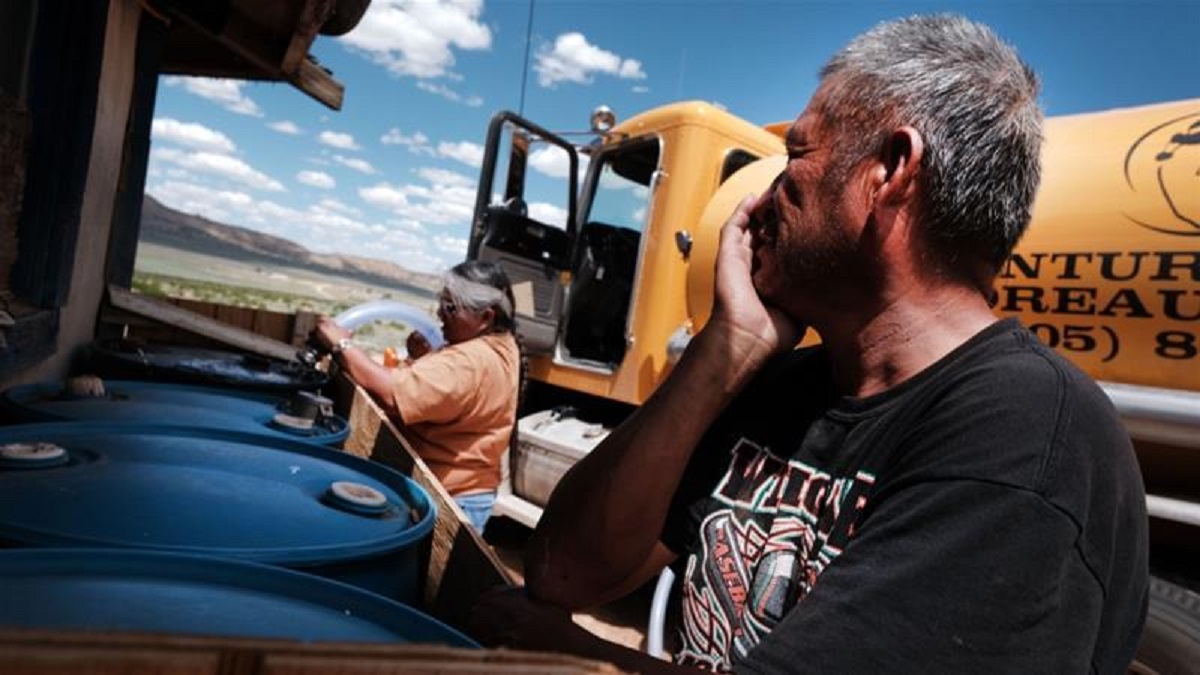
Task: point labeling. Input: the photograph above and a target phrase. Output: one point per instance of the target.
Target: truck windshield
(622, 191)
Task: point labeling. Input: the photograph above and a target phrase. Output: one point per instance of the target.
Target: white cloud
(227, 93)
(330, 204)
(223, 166)
(285, 127)
(416, 38)
(327, 226)
(466, 152)
(448, 199)
(433, 205)
(574, 59)
(384, 196)
(340, 140)
(417, 143)
(444, 177)
(192, 135)
(453, 246)
(548, 214)
(640, 89)
(317, 179)
(360, 165)
(219, 205)
(553, 161)
(449, 94)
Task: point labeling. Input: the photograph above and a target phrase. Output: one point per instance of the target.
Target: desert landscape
(186, 256)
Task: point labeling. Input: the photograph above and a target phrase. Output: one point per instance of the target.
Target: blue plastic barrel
(143, 591)
(214, 492)
(170, 404)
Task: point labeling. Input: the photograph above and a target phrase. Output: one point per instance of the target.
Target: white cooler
(548, 443)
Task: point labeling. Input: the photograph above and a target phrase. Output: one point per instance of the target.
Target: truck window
(736, 159)
(622, 192)
(606, 262)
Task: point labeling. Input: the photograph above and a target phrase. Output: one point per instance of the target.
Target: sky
(392, 175)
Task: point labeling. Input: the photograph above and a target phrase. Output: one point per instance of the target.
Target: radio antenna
(525, 69)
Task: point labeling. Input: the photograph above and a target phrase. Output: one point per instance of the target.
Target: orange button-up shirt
(459, 405)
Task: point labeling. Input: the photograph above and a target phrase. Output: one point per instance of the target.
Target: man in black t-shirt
(930, 490)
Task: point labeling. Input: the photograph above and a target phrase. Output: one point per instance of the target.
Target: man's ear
(900, 167)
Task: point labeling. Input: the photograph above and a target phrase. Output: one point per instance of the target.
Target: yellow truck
(613, 274)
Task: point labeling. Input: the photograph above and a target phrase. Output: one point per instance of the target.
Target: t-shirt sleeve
(437, 387)
(947, 576)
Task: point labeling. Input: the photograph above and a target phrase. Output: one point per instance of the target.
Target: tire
(1171, 639)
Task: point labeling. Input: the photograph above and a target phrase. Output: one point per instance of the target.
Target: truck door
(529, 227)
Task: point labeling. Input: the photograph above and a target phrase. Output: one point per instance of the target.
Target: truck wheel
(1171, 639)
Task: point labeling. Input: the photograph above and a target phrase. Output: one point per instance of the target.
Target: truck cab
(613, 280)
(600, 279)
(598, 292)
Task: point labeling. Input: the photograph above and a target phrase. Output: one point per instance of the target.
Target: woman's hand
(328, 333)
(417, 345)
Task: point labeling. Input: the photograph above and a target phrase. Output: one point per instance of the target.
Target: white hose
(658, 613)
(392, 310)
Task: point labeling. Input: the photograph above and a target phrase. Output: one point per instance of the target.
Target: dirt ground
(623, 621)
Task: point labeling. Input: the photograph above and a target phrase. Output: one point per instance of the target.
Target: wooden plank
(62, 107)
(308, 22)
(167, 313)
(461, 564)
(200, 307)
(315, 81)
(238, 317)
(302, 325)
(275, 325)
(26, 652)
(131, 190)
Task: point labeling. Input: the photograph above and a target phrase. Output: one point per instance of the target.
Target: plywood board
(165, 312)
(461, 565)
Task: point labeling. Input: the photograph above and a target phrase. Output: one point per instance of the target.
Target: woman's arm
(371, 376)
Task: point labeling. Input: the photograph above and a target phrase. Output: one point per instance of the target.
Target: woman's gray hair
(476, 286)
(974, 102)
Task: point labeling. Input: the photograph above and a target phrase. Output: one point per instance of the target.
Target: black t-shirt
(986, 515)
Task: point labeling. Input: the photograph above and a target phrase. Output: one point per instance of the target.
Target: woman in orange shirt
(456, 406)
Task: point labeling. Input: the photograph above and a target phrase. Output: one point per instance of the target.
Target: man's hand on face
(757, 329)
(508, 617)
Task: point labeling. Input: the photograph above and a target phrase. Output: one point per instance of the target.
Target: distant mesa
(167, 227)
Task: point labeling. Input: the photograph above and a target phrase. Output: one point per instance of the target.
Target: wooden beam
(113, 653)
(272, 54)
(315, 81)
(165, 312)
(308, 22)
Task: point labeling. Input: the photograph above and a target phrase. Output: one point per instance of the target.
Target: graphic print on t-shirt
(779, 523)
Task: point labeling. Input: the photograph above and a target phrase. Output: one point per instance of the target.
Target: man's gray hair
(974, 102)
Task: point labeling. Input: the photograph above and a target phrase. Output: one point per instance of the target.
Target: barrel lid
(32, 455)
(164, 403)
(145, 591)
(208, 491)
